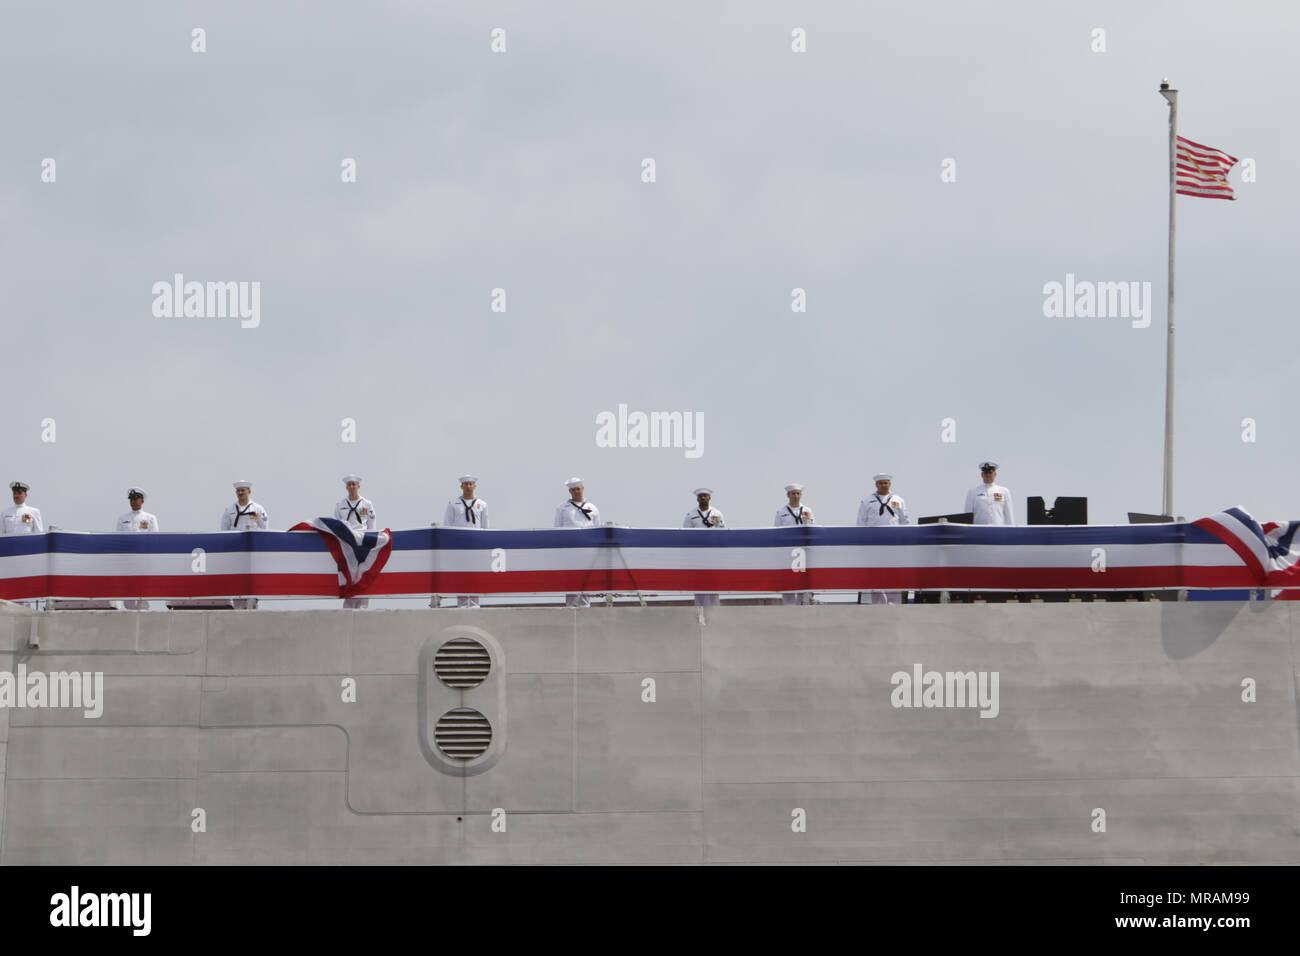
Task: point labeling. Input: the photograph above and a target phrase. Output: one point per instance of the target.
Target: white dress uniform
(359, 514)
(137, 521)
(473, 514)
(21, 519)
(712, 518)
(466, 514)
(249, 517)
(705, 520)
(140, 522)
(789, 517)
(574, 514)
(878, 511)
(991, 504)
(882, 511)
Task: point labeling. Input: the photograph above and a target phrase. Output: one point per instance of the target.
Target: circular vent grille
(462, 663)
(462, 734)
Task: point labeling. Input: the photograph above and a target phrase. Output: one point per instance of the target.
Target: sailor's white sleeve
(776, 521)
(483, 518)
(226, 524)
(558, 522)
(155, 523)
(1006, 507)
(37, 527)
(372, 523)
(970, 501)
(340, 513)
(862, 512)
(902, 512)
(686, 522)
(263, 520)
(595, 516)
(721, 522)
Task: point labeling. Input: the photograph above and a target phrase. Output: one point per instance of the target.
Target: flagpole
(1167, 507)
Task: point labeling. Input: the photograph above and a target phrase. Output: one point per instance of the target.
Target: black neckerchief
(884, 505)
(798, 518)
(239, 514)
(352, 511)
(471, 516)
(585, 511)
(704, 518)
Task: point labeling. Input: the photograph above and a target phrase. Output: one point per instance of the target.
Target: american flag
(1203, 170)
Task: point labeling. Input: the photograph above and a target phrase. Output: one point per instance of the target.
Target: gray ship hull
(1120, 733)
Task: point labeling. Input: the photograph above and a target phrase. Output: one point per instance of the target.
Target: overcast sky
(522, 171)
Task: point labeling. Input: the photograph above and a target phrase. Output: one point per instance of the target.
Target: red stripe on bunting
(622, 580)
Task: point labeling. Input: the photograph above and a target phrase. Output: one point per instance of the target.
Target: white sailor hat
(882, 477)
(988, 466)
(573, 483)
(794, 486)
(468, 479)
(133, 492)
(19, 486)
(243, 484)
(347, 478)
(703, 491)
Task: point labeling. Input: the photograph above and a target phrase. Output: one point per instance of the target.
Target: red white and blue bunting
(1227, 550)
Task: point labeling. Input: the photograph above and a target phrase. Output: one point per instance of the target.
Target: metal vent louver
(462, 734)
(462, 663)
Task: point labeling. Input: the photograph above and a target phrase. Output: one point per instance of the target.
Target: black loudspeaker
(1070, 511)
(1137, 517)
(1037, 511)
(1063, 511)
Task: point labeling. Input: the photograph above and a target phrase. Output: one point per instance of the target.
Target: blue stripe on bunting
(466, 539)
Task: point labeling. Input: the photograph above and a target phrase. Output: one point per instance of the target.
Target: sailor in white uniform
(794, 513)
(467, 510)
(139, 521)
(990, 502)
(244, 515)
(577, 512)
(357, 513)
(20, 517)
(884, 509)
(704, 517)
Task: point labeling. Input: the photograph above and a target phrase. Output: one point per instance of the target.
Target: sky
(524, 170)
